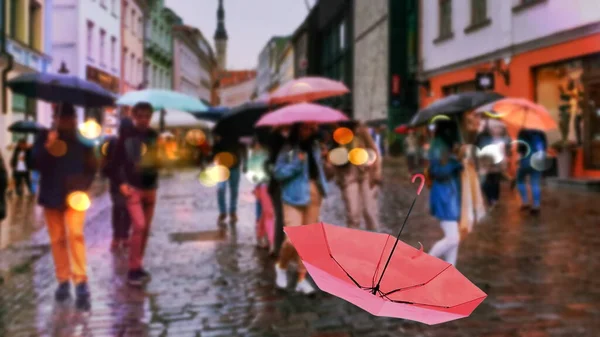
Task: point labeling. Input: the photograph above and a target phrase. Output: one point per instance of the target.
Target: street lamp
(63, 68)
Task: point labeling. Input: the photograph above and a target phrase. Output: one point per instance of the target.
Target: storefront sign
(395, 84)
(484, 81)
(28, 57)
(104, 79)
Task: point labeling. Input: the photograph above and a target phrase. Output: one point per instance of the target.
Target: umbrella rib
(333, 258)
(418, 285)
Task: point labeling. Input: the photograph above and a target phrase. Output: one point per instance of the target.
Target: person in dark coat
(67, 169)
(3, 187)
(532, 145)
(21, 166)
(275, 143)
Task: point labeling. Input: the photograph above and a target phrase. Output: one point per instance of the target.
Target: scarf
(472, 209)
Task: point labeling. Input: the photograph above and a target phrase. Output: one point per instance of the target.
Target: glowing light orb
(521, 142)
(358, 156)
(540, 161)
(338, 156)
(195, 137)
(143, 149)
(343, 136)
(493, 151)
(372, 156)
(104, 148)
(493, 114)
(90, 129)
(58, 148)
(214, 175)
(225, 159)
(79, 201)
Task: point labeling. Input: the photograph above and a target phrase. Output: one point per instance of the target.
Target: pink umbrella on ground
(306, 89)
(302, 113)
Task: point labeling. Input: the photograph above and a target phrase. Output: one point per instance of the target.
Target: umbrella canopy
(26, 127)
(454, 104)
(306, 89)
(239, 121)
(212, 114)
(163, 99)
(179, 119)
(524, 114)
(58, 88)
(416, 286)
(302, 112)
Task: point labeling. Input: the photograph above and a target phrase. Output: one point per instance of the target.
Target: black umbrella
(377, 122)
(25, 127)
(213, 114)
(58, 88)
(239, 122)
(454, 104)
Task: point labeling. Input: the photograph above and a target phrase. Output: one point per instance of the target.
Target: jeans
(20, 178)
(65, 229)
(234, 186)
(140, 204)
(534, 181)
(121, 221)
(360, 200)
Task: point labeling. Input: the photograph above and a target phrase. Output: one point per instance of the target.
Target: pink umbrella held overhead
(307, 89)
(302, 113)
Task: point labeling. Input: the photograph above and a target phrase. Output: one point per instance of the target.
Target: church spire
(221, 33)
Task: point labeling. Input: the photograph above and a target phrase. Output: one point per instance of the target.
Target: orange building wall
(522, 82)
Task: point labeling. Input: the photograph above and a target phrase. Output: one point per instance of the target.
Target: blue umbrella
(58, 88)
(213, 114)
(163, 99)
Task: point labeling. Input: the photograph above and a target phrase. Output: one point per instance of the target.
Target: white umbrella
(179, 119)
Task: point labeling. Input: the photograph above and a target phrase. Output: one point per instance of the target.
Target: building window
(35, 25)
(445, 18)
(124, 61)
(103, 3)
(124, 14)
(140, 72)
(140, 27)
(113, 51)
(102, 45)
(343, 35)
(90, 38)
(478, 12)
(113, 7)
(133, 22)
(132, 69)
(15, 14)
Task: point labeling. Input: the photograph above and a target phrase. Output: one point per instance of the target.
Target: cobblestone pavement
(541, 274)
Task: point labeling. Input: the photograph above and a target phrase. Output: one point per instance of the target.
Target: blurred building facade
(556, 64)
(268, 61)
(86, 38)
(385, 40)
(158, 52)
(132, 46)
(236, 87)
(27, 28)
(192, 63)
(285, 65)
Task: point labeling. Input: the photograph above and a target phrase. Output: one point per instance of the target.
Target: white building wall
(237, 94)
(371, 34)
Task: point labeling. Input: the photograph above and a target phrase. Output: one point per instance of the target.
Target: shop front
(564, 78)
(107, 116)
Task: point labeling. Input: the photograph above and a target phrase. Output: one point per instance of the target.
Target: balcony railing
(27, 56)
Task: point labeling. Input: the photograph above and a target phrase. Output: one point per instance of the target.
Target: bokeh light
(104, 148)
(213, 175)
(540, 161)
(79, 201)
(225, 159)
(372, 156)
(343, 136)
(144, 149)
(58, 148)
(338, 156)
(493, 114)
(90, 129)
(358, 156)
(521, 142)
(439, 118)
(195, 137)
(493, 151)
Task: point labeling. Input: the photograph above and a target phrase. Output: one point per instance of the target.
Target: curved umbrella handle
(422, 183)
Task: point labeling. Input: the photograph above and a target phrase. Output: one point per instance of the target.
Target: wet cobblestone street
(541, 274)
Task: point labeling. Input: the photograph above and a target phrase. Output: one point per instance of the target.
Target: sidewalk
(541, 275)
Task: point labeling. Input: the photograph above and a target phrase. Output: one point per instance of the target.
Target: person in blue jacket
(299, 169)
(445, 194)
(532, 146)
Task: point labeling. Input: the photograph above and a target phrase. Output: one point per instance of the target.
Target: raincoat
(445, 196)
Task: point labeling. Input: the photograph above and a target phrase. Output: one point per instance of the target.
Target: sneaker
(137, 278)
(222, 218)
(83, 297)
(233, 218)
(281, 279)
(305, 287)
(63, 292)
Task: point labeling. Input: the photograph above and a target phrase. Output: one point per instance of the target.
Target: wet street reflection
(541, 274)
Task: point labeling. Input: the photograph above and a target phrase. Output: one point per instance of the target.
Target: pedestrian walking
(265, 216)
(411, 150)
(360, 184)
(300, 171)
(67, 168)
(278, 138)
(231, 153)
(138, 164)
(494, 145)
(445, 195)
(531, 144)
(21, 166)
(3, 188)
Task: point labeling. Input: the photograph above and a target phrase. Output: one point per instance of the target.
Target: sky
(249, 23)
